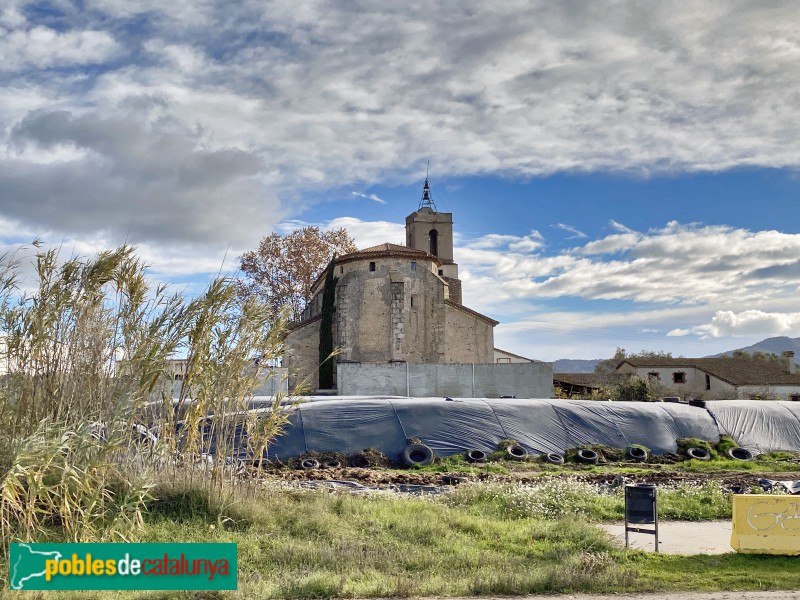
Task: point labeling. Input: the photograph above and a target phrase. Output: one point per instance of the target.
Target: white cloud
(370, 233)
(328, 95)
(576, 233)
(42, 47)
(748, 322)
(372, 197)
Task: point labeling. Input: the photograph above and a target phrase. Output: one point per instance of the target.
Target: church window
(341, 270)
(372, 266)
(441, 272)
(433, 236)
(414, 301)
(413, 266)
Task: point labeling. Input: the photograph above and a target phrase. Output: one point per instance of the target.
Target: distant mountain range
(775, 345)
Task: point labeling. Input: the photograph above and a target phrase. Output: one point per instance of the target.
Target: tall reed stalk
(84, 382)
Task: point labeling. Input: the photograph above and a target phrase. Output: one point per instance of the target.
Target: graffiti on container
(762, 516)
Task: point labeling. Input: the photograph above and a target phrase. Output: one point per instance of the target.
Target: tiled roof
(736, 371)
(387, 247)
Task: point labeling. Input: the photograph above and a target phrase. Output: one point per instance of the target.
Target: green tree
(634, 389)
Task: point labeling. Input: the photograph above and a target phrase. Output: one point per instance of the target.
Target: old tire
(587, 456)
(331, 464)
(417, 455)
(309, 463)
(554, 458)
(740, 454)
(636, 454)
(516, 452)
(476, 456)
(697, 453)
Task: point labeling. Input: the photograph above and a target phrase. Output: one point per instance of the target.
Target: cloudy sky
(620, 173)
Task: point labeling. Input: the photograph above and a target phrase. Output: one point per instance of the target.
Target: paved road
(679, 537)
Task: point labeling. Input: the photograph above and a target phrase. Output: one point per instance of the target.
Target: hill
(568, 365)
(775, 345)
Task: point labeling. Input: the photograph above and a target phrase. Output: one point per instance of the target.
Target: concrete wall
(270, 383)
(531, 380)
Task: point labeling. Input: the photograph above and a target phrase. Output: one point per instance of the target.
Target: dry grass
(84, 351)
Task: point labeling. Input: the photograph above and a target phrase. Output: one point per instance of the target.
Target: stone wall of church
(468, 338)
(302, 355)
(391, 313)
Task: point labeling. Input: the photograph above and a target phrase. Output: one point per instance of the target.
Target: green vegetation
(86, 359)
(306, 544)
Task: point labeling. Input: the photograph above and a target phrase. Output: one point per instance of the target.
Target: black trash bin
(640, 503)
(641, 508)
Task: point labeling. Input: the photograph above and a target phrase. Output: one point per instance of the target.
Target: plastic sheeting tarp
(759, 425)
(454, 426)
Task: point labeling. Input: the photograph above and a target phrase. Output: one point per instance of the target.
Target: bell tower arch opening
(433, 242)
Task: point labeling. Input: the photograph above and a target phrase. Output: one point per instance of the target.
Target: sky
(621, 174)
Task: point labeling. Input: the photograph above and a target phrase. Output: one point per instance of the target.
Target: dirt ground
(386, 476)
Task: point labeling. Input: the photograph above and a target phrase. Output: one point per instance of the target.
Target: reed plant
(89, 422)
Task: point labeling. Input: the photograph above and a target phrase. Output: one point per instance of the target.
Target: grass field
(481, 540)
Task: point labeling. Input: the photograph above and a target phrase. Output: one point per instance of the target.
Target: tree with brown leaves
(283, 268)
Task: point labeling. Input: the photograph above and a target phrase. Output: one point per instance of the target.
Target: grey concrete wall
(523, 380)
(269, 383)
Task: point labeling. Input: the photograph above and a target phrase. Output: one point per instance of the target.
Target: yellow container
(765, 524)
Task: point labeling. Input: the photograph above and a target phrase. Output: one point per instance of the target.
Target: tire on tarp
(740, 454)
(309, 463)
(474, 456)
(697, 453)
(417, 455)
(586, 456)
(554, 458)
(516, 452)
(636, 454)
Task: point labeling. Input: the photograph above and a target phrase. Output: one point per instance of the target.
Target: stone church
(396, 304)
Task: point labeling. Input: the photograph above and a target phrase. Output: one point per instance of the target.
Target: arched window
(433, 236)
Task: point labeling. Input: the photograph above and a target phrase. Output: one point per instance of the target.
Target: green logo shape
(122, 566)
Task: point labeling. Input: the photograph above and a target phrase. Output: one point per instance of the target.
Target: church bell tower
(432, 232)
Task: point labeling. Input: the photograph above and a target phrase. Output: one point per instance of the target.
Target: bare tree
(283, 268)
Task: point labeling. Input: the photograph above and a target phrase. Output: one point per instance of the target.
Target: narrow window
(433, 236)
(413, 266)
(341, 269)
(679, 377)
(414, 301)
(371, 266)
(708, 382)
